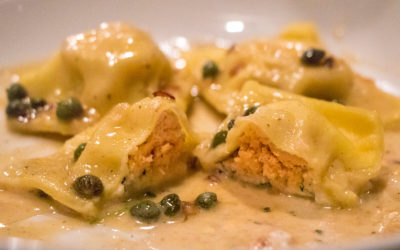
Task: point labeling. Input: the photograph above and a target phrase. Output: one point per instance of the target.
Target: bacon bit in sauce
(237, 68)
(231, 49)
(163, 94)
(194, 163)
(262, 243)
(329, 62)
(213, 179)
(188, 209)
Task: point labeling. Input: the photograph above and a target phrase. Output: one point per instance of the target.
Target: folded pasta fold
(299, 145)
(100, 68)
(275, 62)
(133, 148)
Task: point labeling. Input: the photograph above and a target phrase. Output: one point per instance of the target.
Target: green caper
(312, 57)
(88, 186)
(219, 138)
(38, 103)
(16, 92)
(250, 111)
(206, 200)
(17, 108)
(78, 151)
(210, 69)
(171, 204)
(69, 109)
(231, 123)
(145, 211)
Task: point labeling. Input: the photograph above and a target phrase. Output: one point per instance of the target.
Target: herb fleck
(267, 209)
(319, 231)
(231, 123)
(250, 111)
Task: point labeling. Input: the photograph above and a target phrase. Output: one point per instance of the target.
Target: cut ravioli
(112, 64)
(300, 146)
(133, 148)
(277, 63)
(364, 95)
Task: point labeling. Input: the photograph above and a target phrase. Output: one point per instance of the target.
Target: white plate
(366, 33)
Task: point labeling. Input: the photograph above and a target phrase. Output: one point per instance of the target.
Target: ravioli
(189, 71)
(366, 95)
(277, 63)
(133, 148)
(272, 62)
(300, 31)
(299, 145)
(101, 68)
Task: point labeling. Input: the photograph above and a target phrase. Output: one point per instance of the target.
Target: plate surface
(363, 32)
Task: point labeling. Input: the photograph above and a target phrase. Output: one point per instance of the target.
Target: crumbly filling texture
(162, 158)
(258, 161)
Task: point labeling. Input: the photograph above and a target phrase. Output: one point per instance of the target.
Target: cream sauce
(238, 220)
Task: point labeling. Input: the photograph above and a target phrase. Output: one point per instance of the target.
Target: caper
(78, 151)
(145, 211)
(69, 109)
(312, 57)
(38, 103)
(16, 91)
(210, 69)
(250, 111)
(206, 200)
(171, 204)
(219, 138)
(88, 186)
(17, 108)
(231, 123)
